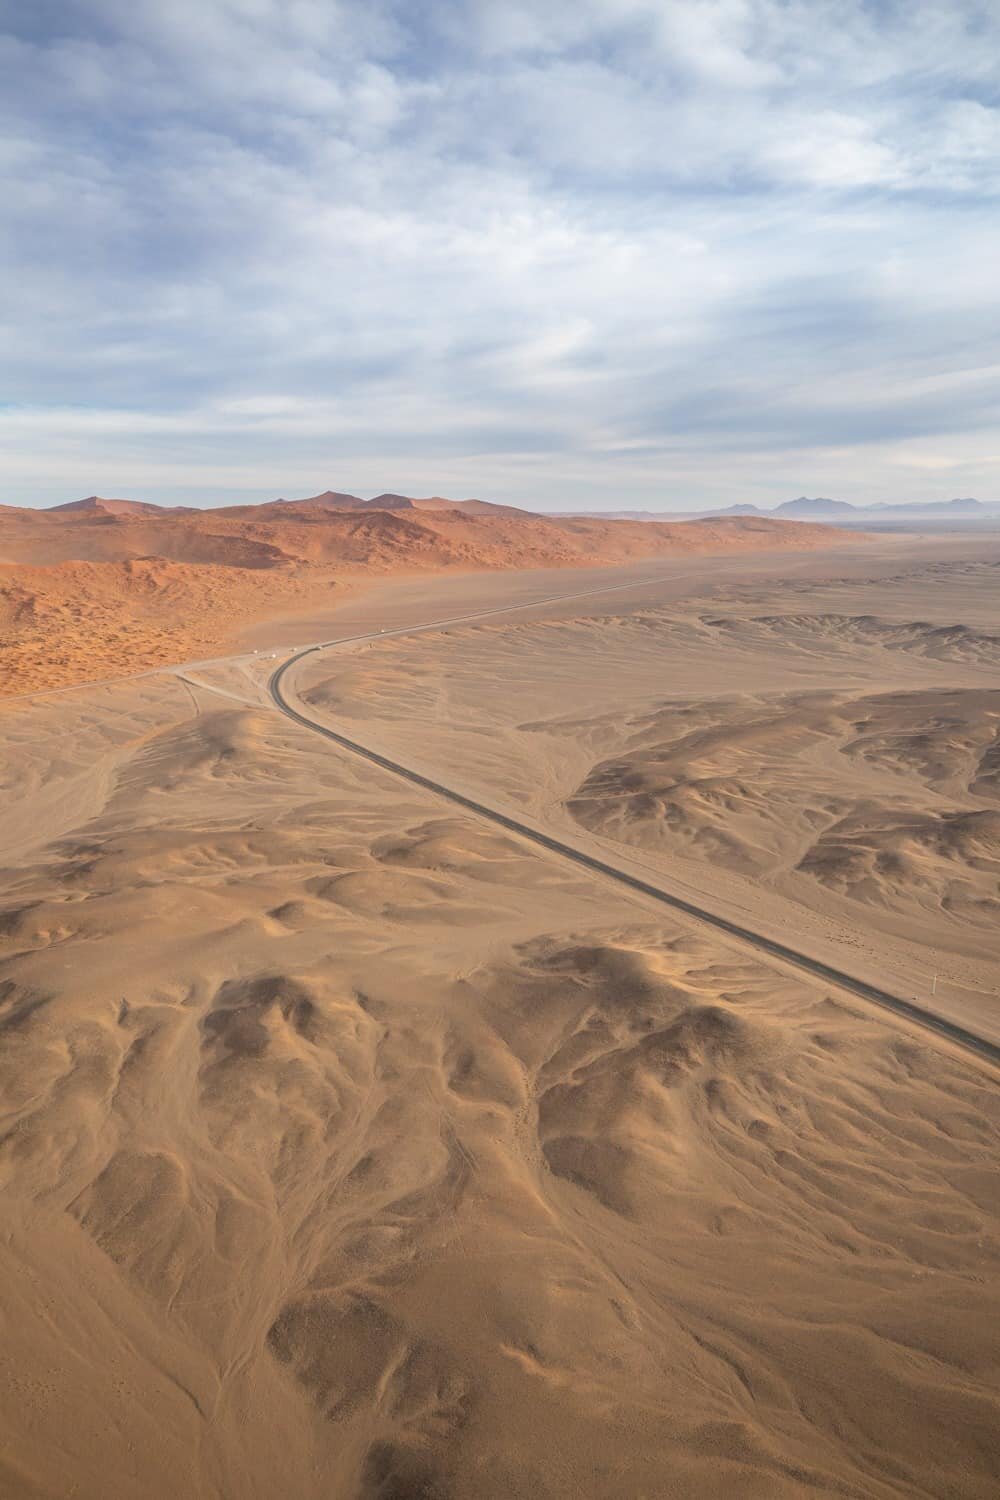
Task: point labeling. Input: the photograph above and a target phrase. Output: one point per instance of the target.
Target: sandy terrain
(826, 773)
(101, 588)
(351, 1148)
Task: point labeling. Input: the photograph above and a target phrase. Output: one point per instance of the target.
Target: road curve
(908, 1010)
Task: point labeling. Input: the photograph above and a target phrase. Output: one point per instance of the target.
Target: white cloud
(671, 239)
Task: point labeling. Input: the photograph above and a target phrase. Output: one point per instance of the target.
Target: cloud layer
(663, 252)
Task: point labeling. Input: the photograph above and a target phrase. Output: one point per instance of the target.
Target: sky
(603, 254)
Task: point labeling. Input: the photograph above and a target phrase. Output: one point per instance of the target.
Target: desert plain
(353, 1145)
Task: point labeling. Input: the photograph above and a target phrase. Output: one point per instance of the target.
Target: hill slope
(816, 508)
(98, 505)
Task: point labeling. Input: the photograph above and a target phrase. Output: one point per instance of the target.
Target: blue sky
(661, 253)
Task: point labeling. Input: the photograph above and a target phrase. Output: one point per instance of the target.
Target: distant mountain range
(804, 508)
(811, 508)
(822, 509)
(831, 512)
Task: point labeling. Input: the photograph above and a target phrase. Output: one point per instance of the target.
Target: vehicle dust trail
(214, 687)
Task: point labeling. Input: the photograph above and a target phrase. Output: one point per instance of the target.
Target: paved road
(908, 1010)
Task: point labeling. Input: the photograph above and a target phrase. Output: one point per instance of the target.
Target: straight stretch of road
(908, 1010)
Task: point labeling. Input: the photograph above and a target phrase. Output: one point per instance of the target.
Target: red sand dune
(101, 587)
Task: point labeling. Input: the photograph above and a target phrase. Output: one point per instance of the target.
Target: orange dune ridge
(101, 588)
